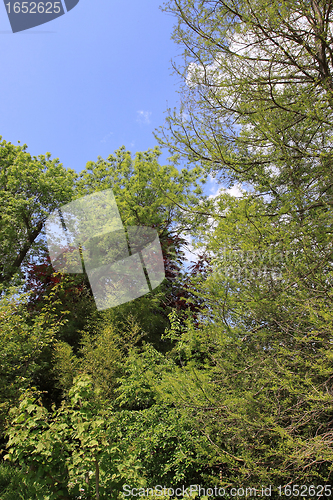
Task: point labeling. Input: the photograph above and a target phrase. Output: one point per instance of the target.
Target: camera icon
(23, 15)
(87, 235)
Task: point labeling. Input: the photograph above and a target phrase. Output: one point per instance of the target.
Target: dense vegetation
(222, 376)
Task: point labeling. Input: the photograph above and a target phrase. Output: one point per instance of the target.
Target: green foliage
(260, 389)
(257, 110)
(89, 445)
(14, 484)
(146, 192)
(241, 392)
(24, 347)
(103, 349)
(72, 449)
(30, 189)
(257, 89)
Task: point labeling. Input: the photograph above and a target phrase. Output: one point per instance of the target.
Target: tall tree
(150, 194)
(257, 86)
(257, 110)
(30, 189)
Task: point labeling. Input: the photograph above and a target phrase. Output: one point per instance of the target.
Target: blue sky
(84, 84)
(90, 81)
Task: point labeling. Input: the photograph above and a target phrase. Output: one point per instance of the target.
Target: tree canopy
(222, 376)
(30, 189)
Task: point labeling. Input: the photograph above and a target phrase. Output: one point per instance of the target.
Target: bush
(14, 485)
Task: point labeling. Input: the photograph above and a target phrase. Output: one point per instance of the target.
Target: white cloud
(144, 117)
(191, 255)
(248, 44)
(235, 190)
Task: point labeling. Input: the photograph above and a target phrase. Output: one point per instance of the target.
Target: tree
(146, 192)
(257, 110)
(257, 86)
(76, 447)
(25, 348)
(30, 189)
(96, 446)
(257, 101)
(256, 375)
(97, 438)
(149, 194)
